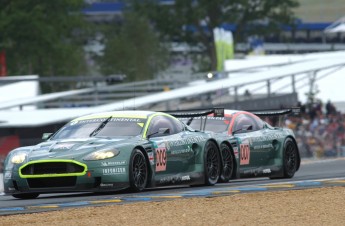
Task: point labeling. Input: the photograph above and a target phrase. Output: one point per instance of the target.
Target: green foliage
(192, 21)
(133, 48)
(42, 37)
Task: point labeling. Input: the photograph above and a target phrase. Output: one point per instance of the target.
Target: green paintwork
(177, 158)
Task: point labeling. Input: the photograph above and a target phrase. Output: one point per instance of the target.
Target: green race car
(257, 149)
(117, 150)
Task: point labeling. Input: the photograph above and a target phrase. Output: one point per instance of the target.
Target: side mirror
(247, 127)
(46, 136)
(243, 129)
(163, 131)
(160, 132)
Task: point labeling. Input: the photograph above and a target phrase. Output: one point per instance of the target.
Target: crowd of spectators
(320, 130)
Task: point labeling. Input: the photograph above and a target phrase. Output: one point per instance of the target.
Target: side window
(259, 123)
(245, 120)
(162, 121)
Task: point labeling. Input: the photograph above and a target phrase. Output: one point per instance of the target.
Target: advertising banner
(224, 46)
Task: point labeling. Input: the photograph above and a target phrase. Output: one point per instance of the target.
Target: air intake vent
(37, 169)
(52, 182)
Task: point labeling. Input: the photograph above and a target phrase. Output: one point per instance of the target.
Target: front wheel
(26, 196)
(138, 172)
(228, 164)
(290, 158)
(211, 163)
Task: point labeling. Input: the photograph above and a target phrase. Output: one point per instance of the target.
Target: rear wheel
(138, 172)
(26, 196)
(228, 164)
(290, 158)
(211, 163)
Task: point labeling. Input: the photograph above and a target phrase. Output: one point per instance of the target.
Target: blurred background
(61, 59)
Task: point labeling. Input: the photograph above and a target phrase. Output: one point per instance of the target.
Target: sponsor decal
(11, 189)
(188, 140)
(151, 158)
(236, 152)
(73, 123)
(44, 148)
(65, 146)
(185, 178)
(268, 137)
(182, 151)
(112, 171)
(263, 146)
(174, 179)
(138, 120)
(119, 163)
(252, 171)
(7, 175)
(166, 145)
(266, 171)
(91, 145)
(103, 185)
(244, 154)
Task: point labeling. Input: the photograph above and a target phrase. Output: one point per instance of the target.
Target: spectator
(330, 108)
(319, 135)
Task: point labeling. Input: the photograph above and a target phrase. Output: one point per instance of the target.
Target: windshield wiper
(100, 127)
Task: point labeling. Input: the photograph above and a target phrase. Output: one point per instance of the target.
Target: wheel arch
(142, 149)
(227, 143)
(207, 179)
(215, 142)
(295, 142)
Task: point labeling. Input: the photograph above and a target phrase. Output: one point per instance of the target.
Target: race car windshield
(214, 124)
(113, 128)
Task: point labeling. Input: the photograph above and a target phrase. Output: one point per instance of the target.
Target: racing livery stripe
(107, 115)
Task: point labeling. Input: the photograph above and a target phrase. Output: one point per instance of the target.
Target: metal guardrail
(100, 91)
(293, 47)
(197, 96)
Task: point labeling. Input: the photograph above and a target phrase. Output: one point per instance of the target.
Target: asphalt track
(312, 174)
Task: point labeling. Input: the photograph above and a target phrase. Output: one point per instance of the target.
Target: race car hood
(74, 148)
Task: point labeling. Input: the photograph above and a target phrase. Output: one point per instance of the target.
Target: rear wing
(275, 117)
(288, 111)
(187, 116)
(217, 112)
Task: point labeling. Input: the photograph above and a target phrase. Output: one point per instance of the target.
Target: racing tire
(212, 164)
(290, 158)
(26, 196)
(228, 164)
(138, 171)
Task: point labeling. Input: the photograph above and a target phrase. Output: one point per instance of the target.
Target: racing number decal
(244, 154)
(161, 159)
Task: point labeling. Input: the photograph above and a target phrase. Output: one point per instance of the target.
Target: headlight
(103, 154)
(18, 158)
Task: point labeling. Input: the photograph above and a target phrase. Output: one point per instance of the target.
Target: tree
(43, 37)
(192, 21)
(133, 48)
